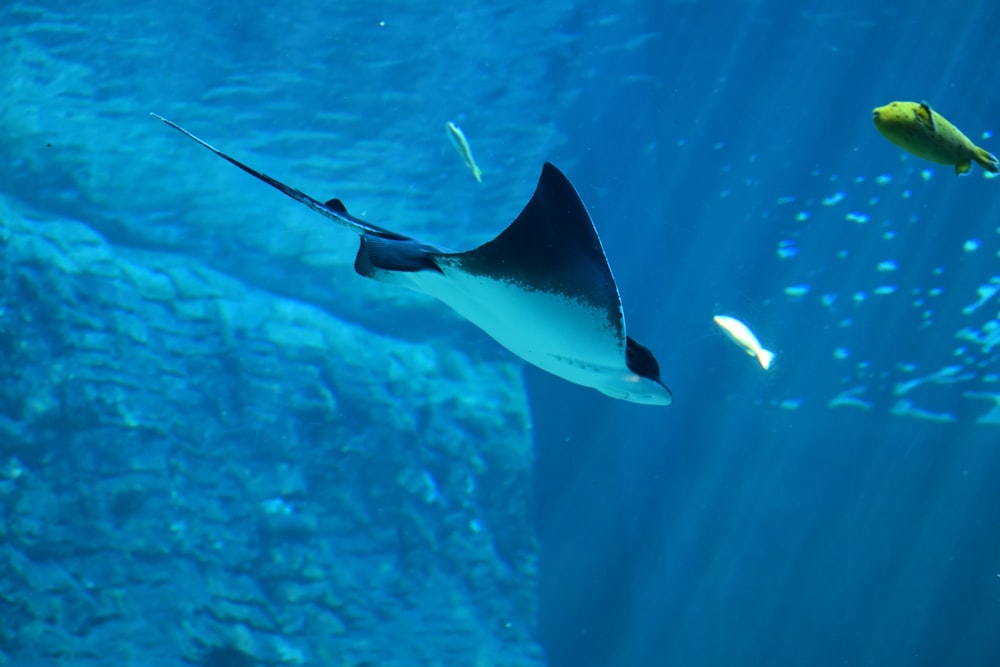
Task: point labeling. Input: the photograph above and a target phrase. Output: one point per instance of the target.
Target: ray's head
(642, 383)
(637, 389)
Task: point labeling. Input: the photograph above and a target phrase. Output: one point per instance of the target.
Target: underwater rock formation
(192, 468)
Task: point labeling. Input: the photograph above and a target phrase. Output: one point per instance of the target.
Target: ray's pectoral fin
(544, 290)
(553, 247)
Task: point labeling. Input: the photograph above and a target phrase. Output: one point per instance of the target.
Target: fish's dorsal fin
(552, 246)
(926, 116)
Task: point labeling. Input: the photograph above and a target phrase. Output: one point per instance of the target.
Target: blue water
(841, 508)
(751, 523)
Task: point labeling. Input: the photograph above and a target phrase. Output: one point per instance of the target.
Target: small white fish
(461, 144)
(740, 334)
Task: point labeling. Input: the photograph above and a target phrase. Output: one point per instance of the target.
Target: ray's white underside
(561, 334)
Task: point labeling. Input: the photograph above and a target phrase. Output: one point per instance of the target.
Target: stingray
(543, 288)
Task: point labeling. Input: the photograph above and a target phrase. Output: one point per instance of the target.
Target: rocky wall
(195, 472)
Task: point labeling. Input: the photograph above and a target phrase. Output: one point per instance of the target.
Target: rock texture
(340, 100)
(196, 472)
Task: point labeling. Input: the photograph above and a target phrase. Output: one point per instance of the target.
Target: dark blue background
(722, 530)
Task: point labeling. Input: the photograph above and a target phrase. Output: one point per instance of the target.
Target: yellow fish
(461, 144)
(918, 129)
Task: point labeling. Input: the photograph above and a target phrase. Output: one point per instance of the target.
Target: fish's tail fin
(765, 357)
(987, 160)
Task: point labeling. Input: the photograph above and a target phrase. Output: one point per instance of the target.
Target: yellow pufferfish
(918, 129)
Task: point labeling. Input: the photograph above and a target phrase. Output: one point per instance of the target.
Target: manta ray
(543, 288)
